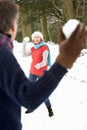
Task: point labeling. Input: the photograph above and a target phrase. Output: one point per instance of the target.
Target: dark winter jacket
(16, 90)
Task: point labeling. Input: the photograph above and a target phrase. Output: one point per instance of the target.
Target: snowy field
(69, 100)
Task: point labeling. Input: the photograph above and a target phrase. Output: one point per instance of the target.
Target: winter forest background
(48, 16)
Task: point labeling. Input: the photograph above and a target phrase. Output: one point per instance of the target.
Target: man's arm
(20, 89)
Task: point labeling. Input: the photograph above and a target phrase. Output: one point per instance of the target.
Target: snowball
(69, 27)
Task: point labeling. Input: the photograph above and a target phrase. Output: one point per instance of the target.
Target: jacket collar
(5, 41)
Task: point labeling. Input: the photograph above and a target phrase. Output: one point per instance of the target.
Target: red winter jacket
(37, 57)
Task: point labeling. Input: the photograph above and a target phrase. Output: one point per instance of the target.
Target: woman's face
(37, 39)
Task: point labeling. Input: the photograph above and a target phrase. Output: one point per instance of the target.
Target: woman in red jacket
(40, 62)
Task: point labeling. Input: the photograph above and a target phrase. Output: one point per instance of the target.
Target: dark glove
(61, 36)
(70, 49)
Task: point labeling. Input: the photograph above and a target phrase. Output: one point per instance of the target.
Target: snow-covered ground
(69, 100)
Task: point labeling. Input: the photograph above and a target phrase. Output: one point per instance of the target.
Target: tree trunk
(26, 30)
(43, 22)
(68, 9)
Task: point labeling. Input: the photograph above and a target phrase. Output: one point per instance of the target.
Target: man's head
(8, 18)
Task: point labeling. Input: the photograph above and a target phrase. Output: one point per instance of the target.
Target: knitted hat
(37, 33)
(69, 27)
